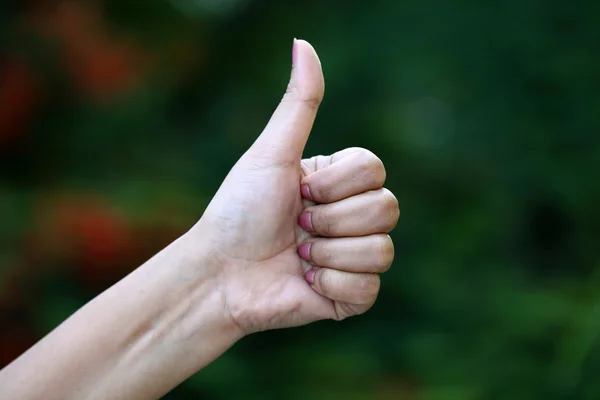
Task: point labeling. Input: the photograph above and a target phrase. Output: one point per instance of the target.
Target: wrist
(183, 323)
(242, 311)
(192, 316)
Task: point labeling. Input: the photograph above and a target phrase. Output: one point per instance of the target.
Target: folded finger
(353, 172)
(368, 213)
(347, 287)
(370, 254)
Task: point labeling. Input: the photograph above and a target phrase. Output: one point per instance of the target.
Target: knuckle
(323, 223)
(389, 209)
(312, 99)
(369, 285)
(322, 254)
(326, 257)
(386, 253)
(343, 311)
(313, 102)
(371, 168)
(322, 282)
(323, 192)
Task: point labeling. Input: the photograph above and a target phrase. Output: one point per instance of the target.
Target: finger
(346, 287)
(372, 254)
(348, 174)
(286, 134)
(365, 214)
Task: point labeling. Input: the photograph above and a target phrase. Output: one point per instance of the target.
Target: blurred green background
(120, 118)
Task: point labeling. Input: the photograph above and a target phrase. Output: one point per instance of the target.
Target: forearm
(139, 339)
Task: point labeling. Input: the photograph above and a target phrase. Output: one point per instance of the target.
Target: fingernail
(305, 190)
(294, 53)
(310, 276)
(304, 251)
(305, 222)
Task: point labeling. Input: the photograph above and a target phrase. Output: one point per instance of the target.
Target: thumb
(286, 133)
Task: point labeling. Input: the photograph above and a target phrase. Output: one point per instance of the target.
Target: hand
(299, 240)
(284, 242)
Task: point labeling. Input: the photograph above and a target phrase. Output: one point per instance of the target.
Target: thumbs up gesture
(299, 240)
(285, 241)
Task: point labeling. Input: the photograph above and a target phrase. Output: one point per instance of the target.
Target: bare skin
(285, 242)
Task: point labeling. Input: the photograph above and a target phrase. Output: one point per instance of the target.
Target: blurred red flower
(84, 234)
(100, 65)
(18, 95)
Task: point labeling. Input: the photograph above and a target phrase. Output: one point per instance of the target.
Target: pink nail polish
(305, 190)
(305, 222)
(294, 53)
(304, 251)
(310, 276)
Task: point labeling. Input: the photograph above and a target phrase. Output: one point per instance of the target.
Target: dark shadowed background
(120, 118)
